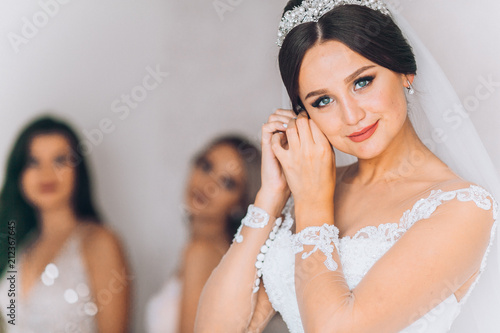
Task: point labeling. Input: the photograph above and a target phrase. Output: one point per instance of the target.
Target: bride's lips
(364, 134)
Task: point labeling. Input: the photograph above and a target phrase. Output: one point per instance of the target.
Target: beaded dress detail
(360, 252)
(61, 301)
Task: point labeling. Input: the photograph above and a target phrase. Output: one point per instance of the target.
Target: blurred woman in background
(224, 180)
(71, 271)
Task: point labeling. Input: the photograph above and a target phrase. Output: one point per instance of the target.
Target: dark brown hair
(15, 208)
(367, 32)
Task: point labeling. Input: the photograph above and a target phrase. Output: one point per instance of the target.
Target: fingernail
(285, 125)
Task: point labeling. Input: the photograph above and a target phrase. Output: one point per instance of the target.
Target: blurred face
(216, 184)
(48, 178)
(358, 105)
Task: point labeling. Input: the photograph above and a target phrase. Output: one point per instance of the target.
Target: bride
(394, 242)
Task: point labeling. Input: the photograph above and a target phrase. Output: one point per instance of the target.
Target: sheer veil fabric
(458, 145)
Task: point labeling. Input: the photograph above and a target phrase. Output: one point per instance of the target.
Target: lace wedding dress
(360, 252)
(463, 151)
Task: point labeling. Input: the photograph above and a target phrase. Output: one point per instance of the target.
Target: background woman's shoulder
(101, 245)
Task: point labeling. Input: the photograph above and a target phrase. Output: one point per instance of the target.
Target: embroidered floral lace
(359, 253)
(323, 238)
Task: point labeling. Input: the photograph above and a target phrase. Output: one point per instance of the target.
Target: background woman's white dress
(61, 300)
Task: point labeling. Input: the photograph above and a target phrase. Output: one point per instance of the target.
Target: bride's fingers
(269, 128)
(280, 118)
(317, 135)
(292, 134)
(284, 112)
(303, 129)
(276, 145)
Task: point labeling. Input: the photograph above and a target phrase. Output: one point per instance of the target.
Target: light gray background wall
(222, 76)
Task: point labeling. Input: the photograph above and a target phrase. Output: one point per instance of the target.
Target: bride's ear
(409, 78)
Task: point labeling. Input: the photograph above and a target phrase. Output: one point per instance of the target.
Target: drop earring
(411, 91)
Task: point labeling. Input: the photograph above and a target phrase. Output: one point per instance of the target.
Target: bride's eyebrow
(316, 93)
(356, 73)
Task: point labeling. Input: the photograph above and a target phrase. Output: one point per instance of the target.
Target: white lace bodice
(359, 253)
(61, 300)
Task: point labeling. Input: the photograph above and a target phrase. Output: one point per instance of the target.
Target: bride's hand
(308, 161)
(274, 183)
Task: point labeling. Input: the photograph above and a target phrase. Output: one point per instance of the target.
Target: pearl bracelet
(256, 218)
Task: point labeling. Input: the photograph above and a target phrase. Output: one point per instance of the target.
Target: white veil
(456, 143)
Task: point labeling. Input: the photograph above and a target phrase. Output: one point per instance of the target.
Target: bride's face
(359, 105)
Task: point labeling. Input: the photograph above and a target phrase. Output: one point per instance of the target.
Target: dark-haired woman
(224, 180)
(394, 242)
(70, 271)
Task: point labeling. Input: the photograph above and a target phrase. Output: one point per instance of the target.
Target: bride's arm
(228, 303)
(430, 262)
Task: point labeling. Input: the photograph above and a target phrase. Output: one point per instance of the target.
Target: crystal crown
(313, 10)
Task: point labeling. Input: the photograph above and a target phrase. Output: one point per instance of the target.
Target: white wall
(222, 76)
(463, 36)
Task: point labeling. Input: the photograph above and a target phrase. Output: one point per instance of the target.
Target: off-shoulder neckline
(397, 225)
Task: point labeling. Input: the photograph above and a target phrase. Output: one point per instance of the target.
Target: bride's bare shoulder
(445, 179)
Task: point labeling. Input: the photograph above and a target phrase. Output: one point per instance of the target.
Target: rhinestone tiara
(313, 10)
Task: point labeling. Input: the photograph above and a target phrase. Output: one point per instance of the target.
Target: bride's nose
(352, 112)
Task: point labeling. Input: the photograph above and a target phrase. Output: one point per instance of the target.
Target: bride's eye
(322, 101)
(363, 82)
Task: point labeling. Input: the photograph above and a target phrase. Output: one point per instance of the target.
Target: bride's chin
(363, 153)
